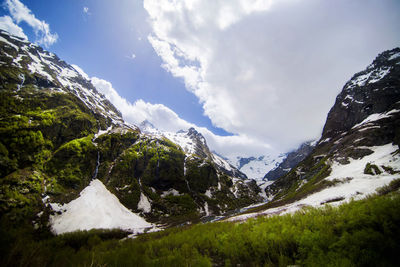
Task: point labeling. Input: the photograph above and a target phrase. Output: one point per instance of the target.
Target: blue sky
(255, 77)
(102, 42)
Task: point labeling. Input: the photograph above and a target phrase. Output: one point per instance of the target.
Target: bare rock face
(373, 90)
(365, 116)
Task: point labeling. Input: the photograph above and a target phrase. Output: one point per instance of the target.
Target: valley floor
(359, 233)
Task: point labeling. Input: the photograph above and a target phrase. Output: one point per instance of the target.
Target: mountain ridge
(359, 147)
(58, 133)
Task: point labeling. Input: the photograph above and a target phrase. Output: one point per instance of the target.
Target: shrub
(372, 169)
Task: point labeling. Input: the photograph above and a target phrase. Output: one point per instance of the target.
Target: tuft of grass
(391, 187)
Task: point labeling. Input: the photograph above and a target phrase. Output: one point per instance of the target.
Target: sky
(254, 77)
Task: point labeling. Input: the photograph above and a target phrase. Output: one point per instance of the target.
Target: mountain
(195, 145)
(359, 148)
(257, 167)
(60, 139)
(290, 161)
(68, 161)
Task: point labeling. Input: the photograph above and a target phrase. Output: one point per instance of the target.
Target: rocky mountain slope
(194, 144)
(359, 148)
(58, 135)
(290, 161)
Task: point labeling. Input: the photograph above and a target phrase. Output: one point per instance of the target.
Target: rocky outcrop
(371, 91)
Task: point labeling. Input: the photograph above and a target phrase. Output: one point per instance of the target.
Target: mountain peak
(370, 91)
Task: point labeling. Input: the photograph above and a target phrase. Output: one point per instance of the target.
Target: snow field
(96, 208)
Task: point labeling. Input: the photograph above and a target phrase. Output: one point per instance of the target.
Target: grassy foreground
(360, 233)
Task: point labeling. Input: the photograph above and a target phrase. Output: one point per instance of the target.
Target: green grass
(360, 233)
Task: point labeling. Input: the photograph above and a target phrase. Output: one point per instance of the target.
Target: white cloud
(133, 56)
(7, 24)
(20, 12)
(269, 70)
(167, 120)
(86, 10)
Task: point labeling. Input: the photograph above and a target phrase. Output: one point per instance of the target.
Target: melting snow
(80, 71)
(96, 208)
(394, 56)
(206, 210)
(374, 117)
(171, 192)
(208, 193)
(144, 204)
(101, 132)
(262, 186)
(2, 39)
(353, 183)
(220, 161)
(181, 139)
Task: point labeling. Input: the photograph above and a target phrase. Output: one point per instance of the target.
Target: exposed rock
(292, 159)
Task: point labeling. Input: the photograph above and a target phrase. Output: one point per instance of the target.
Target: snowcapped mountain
(359, 148)
(59, 135)
(50, 72)
(195, 145)
(257, 167)
(359, 151)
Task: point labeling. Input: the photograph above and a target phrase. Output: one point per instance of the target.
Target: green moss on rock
(372, 169)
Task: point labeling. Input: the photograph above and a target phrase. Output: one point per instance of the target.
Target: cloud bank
(167, 120)
(7, 24)
(270, 70)
(20, 13)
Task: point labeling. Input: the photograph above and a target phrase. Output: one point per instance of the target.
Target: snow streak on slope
(351, 182)
(192, 145)
(96, 208)
(59, 75)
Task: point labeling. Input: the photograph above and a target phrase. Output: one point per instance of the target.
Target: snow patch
(170, 192)
(221, 162)
(352, 182)
(2, 39)
(95, 208)
(374, 117)
(394, 56)
(263, 186)
(101, 132)
(206, 210)
(208, 193)
(144, 204)
(80, 71)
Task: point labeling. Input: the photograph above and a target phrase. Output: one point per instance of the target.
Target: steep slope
(359, 147)
(290, 161)
(57, 134)
(194, 144)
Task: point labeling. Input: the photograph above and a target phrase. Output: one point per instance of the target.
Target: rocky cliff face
(359, 147)
(57, 134)
(371, 91)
